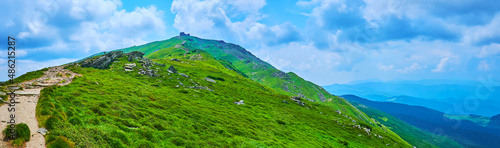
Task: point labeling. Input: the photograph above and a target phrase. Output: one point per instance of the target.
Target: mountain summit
(192, 92)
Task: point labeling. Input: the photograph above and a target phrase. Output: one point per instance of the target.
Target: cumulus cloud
(385, 67)
(82, 25)
(441, 65)
(210, 19)
(412, 68)
(489, 51)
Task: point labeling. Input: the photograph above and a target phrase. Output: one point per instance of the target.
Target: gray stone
(239, 103)
(184, 75)
(210, 80)
(135, 55)
(103, 61)
(322, 97)
(42, 131)
(174, 59)
(172, 69)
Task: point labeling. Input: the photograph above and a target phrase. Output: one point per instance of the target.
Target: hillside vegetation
(413, 135)
(206, 103)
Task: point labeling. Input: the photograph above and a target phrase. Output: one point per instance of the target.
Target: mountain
(465, 132)
(192, 92)
(439, 95)
(413, 135)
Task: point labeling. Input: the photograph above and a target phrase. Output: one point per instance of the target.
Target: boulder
(129, 66)
(210, 80)
(102, 62)
(174, 59)
(184, 75)
(172, 69)
(42, 131)
(297, 100)
(322, 97)
(239, 103)
(135, 55)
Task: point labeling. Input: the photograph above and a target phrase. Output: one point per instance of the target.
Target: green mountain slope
(413, 135)
(246, 64)
(243, 61)
(196, 107)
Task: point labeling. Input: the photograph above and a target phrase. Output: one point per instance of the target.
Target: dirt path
(28, 98)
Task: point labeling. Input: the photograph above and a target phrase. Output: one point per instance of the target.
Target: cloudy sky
(325, 41)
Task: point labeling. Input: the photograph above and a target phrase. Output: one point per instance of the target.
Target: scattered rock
(172, 69)
(338, 111)
(240, 102)
(174, 59)
(285, 101)
(297, 100)
(184, 75)
(281, 75)
(210, 80)
(129, 66)
(200, 87)
(42, 131)
(135, 55)
(102, 62)
(322, 97)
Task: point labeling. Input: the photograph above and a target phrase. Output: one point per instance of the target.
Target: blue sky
(325, 41)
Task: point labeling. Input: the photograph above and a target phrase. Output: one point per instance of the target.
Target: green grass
(114, 108)
(22, 134)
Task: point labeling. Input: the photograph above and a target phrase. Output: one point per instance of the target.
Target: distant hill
(439, 95)
(465, 132)
(413, 135)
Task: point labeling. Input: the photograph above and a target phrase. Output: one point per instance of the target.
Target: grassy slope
(244, 62)
(409, 133)
(114, 108)
(247, 65)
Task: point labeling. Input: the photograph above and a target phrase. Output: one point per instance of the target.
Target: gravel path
(26, 108)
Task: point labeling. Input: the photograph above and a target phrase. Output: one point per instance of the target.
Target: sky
(324, 41)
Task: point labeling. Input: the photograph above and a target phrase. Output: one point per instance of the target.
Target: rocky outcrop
(281, 75)
(135, 55)
(322, 97)
(298, 100)
(175, 59)
(172, 69)
(102, 62)
(129, 66)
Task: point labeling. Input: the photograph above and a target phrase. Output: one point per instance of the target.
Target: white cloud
(213, 19)
(489, 50)
(82, 25)
(385, 67)
(441, 65)
(483, 66)
(412, 68)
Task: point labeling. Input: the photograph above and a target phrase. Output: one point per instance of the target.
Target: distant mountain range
(447, 96)
(466, 132)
